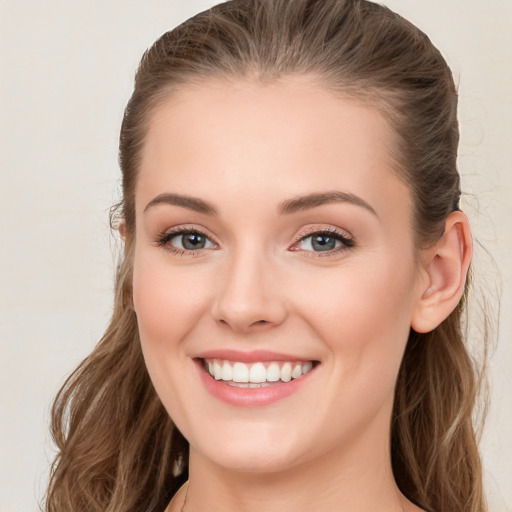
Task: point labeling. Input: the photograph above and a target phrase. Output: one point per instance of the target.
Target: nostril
(253, 324)
(259, 323)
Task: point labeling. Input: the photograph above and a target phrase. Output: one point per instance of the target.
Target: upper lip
(252, 356)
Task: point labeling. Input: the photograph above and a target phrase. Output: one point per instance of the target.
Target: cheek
(364, 315)
(169, 303)
(364, 320)
(167, 300)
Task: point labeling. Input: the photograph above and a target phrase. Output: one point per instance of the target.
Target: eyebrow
(319, 199)
(191, 203)
(286, 208)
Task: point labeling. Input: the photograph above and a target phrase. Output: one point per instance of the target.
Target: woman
(287, 323)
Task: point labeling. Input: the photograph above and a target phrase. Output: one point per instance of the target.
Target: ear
(444, 270)
(122, 231)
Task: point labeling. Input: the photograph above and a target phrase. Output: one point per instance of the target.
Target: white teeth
(273, 372)
(217, 371)
(257, 374)
(297, 371)
(286, 372)
(227, 371)
(247, 384)
(307, 367)
(240, 372)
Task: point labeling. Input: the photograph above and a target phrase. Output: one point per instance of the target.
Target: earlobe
(444, 268)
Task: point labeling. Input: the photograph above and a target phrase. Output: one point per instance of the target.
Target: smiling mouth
(258, 374)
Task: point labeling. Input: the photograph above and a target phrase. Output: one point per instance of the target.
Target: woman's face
(273, 245)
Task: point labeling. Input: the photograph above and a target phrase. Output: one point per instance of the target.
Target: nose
(249, 297)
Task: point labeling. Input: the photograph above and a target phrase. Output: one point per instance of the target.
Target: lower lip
(250, 397)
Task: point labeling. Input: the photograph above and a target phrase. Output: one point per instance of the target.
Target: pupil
(193, 241)
(323, 243)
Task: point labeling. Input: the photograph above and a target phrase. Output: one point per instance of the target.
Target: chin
(251, 457)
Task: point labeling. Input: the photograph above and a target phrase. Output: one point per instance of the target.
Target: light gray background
(66, 73)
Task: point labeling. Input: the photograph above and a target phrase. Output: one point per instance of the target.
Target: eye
(185, 241)
(325, 241)
(190, 241)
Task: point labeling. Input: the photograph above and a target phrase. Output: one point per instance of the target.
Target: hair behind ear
(433, 436)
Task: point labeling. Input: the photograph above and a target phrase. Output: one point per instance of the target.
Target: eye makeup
(190, 237)
(323, 242)
(191, 240)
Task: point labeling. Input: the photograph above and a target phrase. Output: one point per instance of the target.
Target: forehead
(281, 139)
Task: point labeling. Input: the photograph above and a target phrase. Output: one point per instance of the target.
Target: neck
(359, 479)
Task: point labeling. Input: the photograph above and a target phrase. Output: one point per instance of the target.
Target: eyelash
(346, 242)
(164, 239)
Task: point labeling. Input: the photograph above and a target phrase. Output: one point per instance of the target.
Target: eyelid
(162, 240)
(346, 239)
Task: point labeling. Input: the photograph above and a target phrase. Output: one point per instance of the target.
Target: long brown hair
(118, 450)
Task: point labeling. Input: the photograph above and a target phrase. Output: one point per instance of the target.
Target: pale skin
(246, 152)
